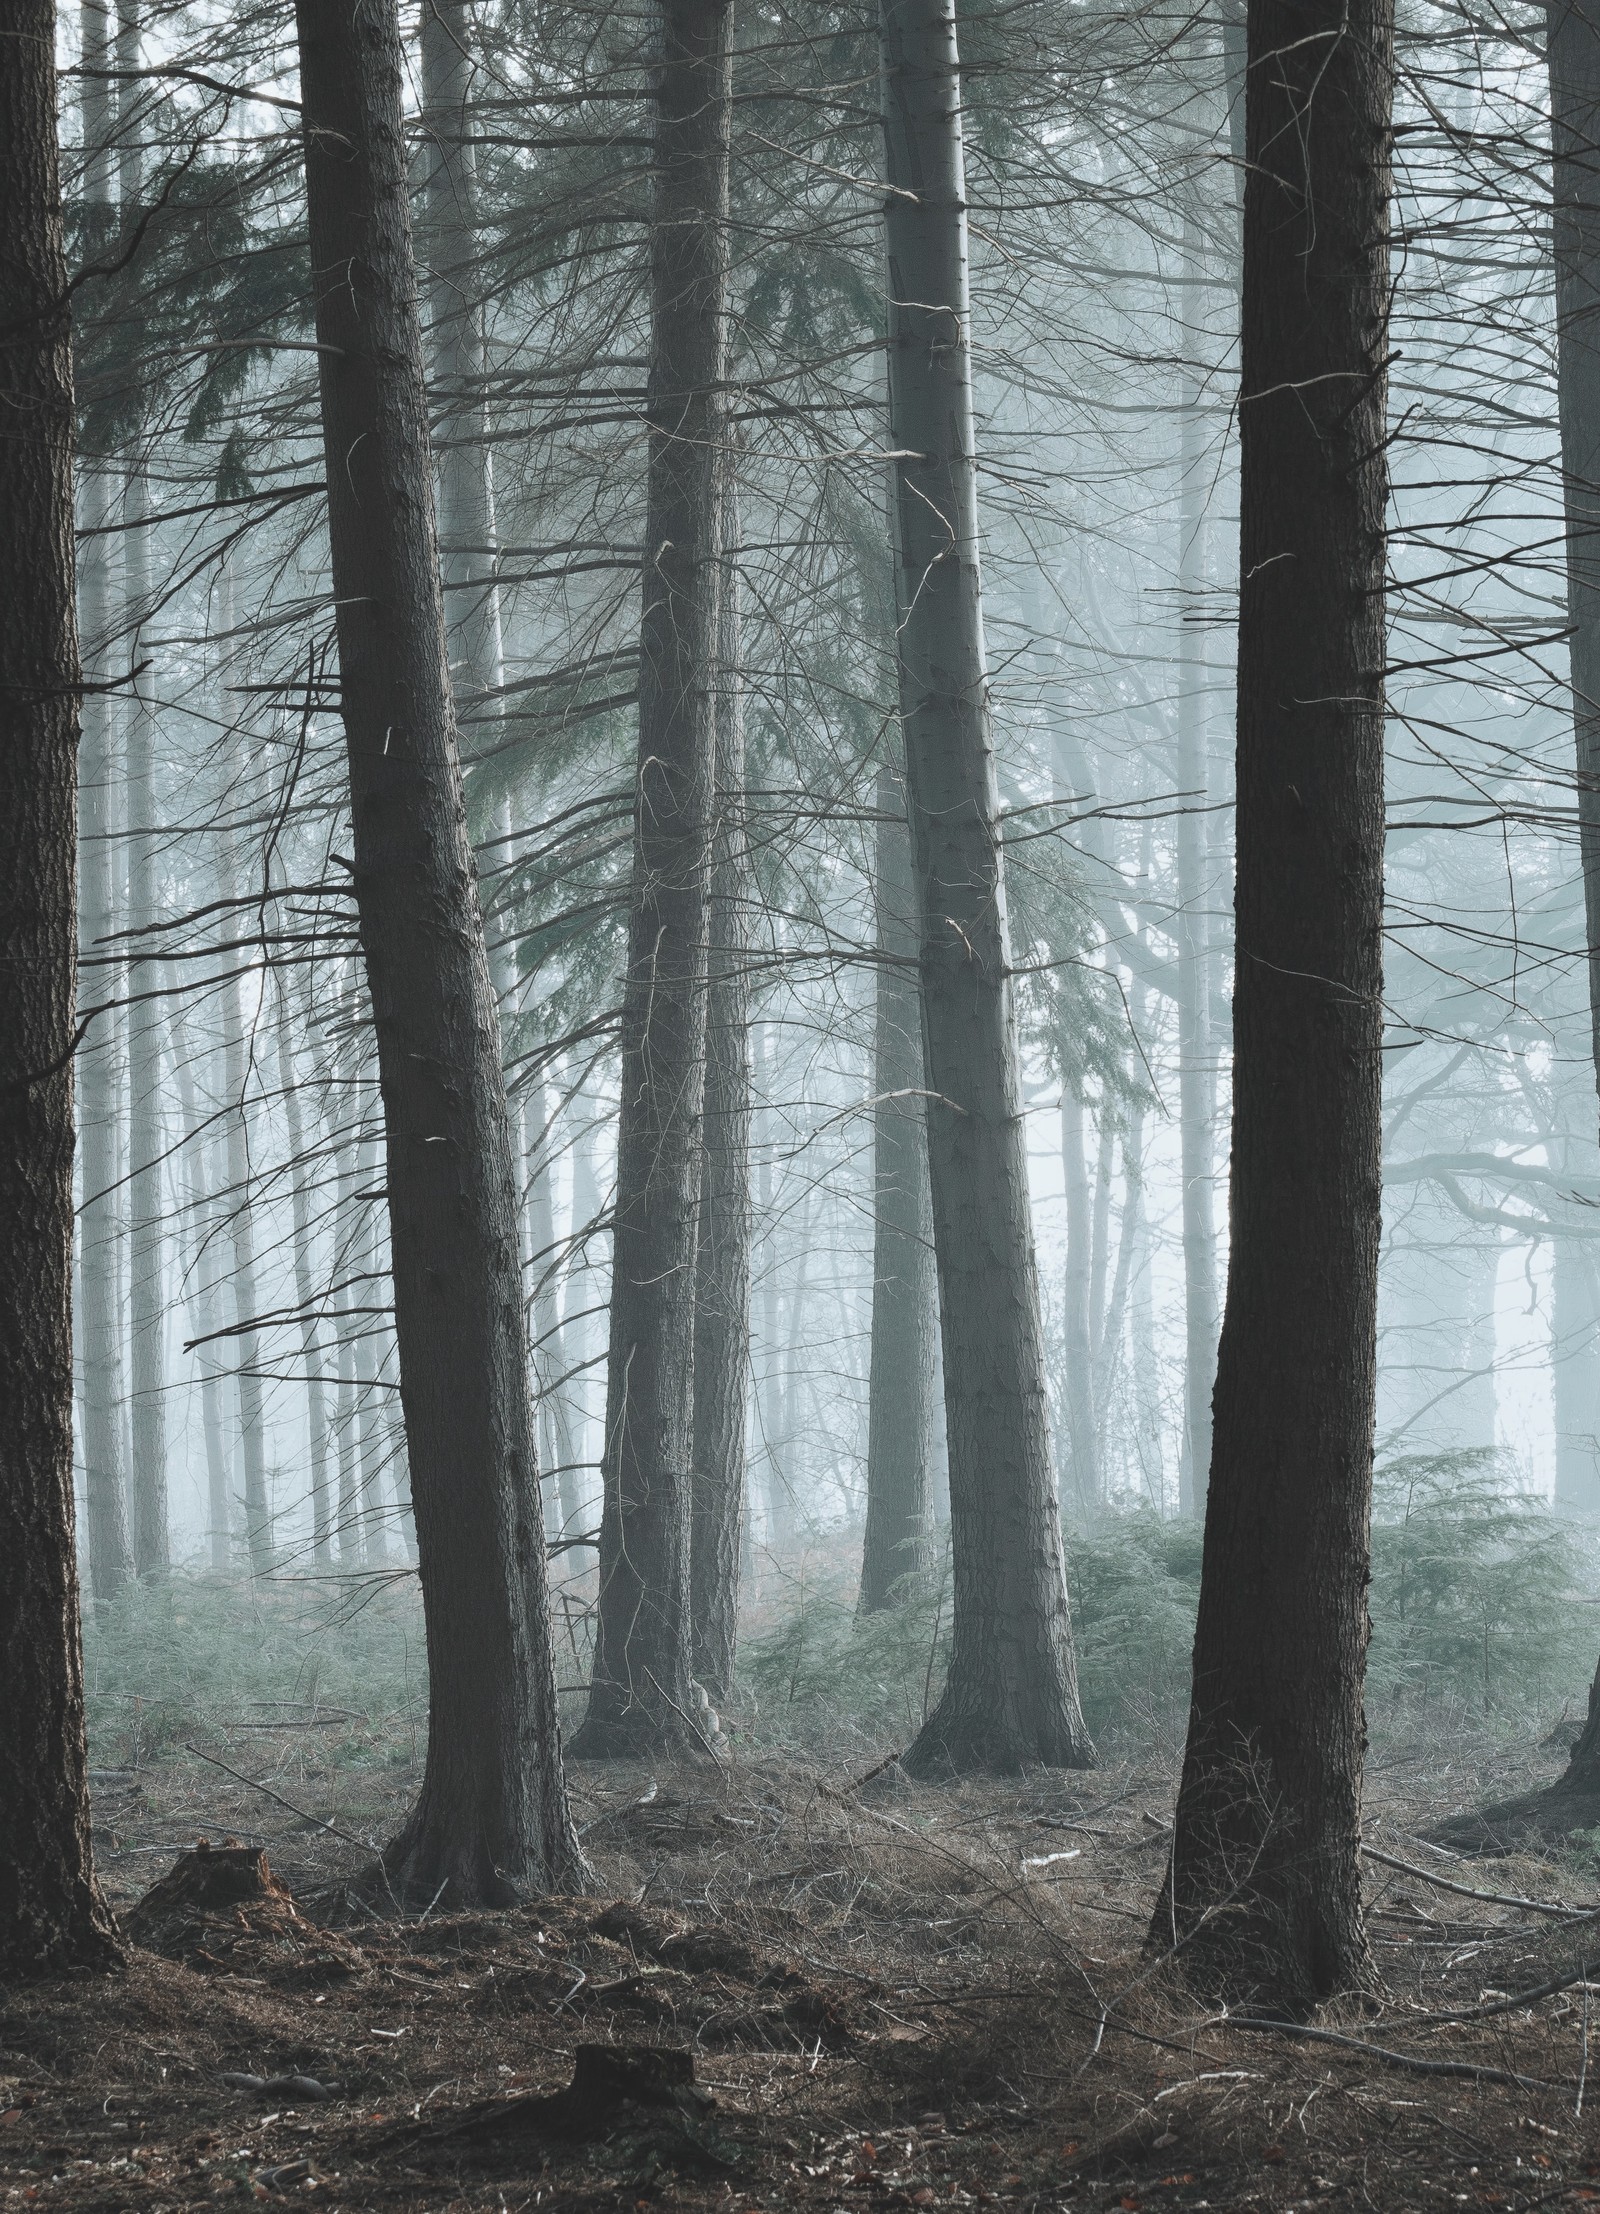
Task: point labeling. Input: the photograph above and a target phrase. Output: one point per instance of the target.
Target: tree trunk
(51, 1911)
(201, 1274)
(1572, 47)
(473, 628)
(896, 1551)
(110, 1557)
(722, 1250)
(549, 1345)
(306, 1297)
(640, 1694)
(1081, 1487)
(1263, 1889)
(492, 1815)
(1011, 1696)
(246, 1297)
(370, 1394)
(146, 1302)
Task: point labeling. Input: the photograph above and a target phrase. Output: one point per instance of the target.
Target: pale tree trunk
(896, 1549)
(369, 1346)
(1263, 1889)
(146, 1304)
(1082, 1470)
(1572, 42)
(581, 1332)
(640, 1697)
(242, 1236)
(203, 1276)
(146, 1301)
(549, 1360)
(51, 1913)
(1011, 1696)
(354, 1296)
(492, 1817)
(110, 1556)
(722, 1252)
(1196, 1048)
(306, 1295)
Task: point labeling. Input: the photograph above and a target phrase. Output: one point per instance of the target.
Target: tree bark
(110, 1556)
(147, 1318)
(897, 1550)
(1011, 1696)
(1263, 1889)
(492, 1816)
(722, 1249)
(1081, 1489)
(306, 1298)
(51, 1912)
(640, 1696)
(246, 1298)
(201, 1273)
(1572, 48)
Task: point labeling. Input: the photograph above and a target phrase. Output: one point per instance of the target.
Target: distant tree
(1011, 1695)
(51, 1911)
(492, 1816)
(1263, 1890)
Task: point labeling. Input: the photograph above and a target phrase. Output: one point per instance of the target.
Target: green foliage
(174, 1660)
(1476, 1607)
(1476, 1590)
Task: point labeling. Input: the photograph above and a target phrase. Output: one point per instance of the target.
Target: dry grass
(896, 1997)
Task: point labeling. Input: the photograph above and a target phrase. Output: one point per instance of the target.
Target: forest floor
(893, 1998)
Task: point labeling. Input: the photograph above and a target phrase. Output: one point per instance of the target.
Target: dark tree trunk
(492, 1816)
(640, 1695)
(722, 1249)
(51, 1912)
(110, 1556)
(896, 1550)
(1011, 1696)
(1263, 1888)
(1572, 46)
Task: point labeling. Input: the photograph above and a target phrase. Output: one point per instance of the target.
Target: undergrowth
(1482, 1610)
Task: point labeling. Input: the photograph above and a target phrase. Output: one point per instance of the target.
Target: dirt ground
(889, 1997)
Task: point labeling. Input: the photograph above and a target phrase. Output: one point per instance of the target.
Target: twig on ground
(267, 1792)
(1554, 1907)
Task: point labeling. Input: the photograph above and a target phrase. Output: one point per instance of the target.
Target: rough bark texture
(640, 1694)
(492, 1816)
(1572, 33)
(110, 1556)
(1263, 1886)
(722, 1250)
(896, 1549)
(51, 1912)
(146, 1305)
(1011, 1696)
(1572, 46)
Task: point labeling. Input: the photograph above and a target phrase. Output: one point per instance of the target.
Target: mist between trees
(630, 1014)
